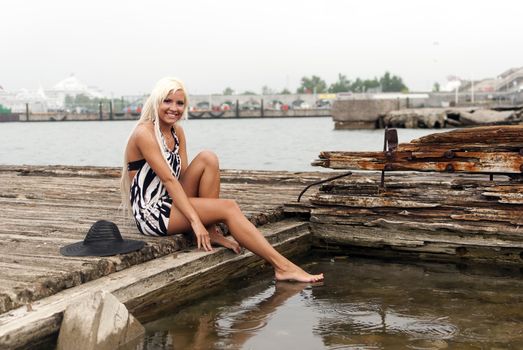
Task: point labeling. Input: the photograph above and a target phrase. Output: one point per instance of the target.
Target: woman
(170, 196)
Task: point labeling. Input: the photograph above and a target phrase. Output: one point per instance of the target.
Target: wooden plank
(434, 160)
(369, 201)
(146, 288)
(472, 247)
(46, 207)
(492, 150)
(461, 205)
(500, 134)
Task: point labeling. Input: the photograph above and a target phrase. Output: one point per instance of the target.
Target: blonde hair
(150, 113)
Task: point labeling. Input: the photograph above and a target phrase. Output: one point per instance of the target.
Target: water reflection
(214, 325)
(362, 304)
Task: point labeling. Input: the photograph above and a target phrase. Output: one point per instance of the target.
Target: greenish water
(363, 304)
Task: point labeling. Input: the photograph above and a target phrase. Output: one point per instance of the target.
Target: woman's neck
(166, 128)
(165, 131)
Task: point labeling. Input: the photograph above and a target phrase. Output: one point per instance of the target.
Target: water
(261, 144)
(363, 304)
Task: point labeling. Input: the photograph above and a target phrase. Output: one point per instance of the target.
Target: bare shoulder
(143, 131)
(178, 129)
(141, 140)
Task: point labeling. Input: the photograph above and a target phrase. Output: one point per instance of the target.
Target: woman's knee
(209, 158)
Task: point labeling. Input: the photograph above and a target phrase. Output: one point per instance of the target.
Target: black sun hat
(103, 239)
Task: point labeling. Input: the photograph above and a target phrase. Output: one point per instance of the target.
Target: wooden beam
(491, 150)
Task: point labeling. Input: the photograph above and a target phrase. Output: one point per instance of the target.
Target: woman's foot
(296, 274)
(218, 238)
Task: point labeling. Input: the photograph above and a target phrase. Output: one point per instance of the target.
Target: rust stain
(447, 161)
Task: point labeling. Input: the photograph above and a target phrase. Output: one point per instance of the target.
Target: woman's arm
(146, 143)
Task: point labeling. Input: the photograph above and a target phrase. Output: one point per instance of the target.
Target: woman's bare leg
(202, 179)
(202, 176)
(214, 210)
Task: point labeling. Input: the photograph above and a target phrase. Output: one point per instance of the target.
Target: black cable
(323, 181)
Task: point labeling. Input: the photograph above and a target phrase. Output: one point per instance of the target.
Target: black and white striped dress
(150, 201)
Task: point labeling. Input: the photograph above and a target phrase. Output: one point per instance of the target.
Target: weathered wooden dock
(459, 218)
(44, 208)
(448, 196)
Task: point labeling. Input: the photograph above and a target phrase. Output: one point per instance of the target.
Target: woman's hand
(202, 237)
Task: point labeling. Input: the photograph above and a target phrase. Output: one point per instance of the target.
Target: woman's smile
(172, 107)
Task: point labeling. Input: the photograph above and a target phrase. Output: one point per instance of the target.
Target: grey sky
(123, 47)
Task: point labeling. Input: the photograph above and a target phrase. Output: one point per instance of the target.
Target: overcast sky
(124, 47)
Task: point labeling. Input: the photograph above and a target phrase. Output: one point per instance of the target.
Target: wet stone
(99, 322)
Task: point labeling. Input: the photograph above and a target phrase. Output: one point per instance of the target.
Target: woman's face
(172, 107)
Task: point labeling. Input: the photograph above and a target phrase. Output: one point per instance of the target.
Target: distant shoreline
(231, 114)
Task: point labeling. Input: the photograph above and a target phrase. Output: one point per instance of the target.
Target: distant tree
(248, 93)
(4, 110)
(228, 91)
(342, 85)
(82, 99)
(436, 87)
(357, 86)
(371, 84)
(285, 92)
(386, 83)
(392, 83)
(311, 85)
(85, 102)
(69, 100)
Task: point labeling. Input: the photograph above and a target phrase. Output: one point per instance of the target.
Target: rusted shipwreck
(455, 195)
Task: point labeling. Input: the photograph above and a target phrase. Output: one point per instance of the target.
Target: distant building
(17, 100)
(511, 80)
(453, 83)
(508, 81)
(43, 100)
(72, 86)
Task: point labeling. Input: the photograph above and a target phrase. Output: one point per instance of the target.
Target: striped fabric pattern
(150, 201)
